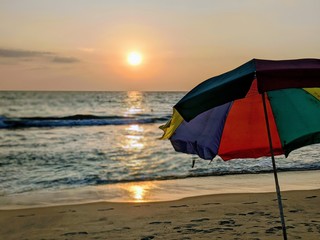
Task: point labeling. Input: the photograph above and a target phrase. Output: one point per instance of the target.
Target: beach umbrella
(262, 108)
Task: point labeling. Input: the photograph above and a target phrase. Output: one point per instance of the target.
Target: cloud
(31, 55)
(15, 53)
(65, 60)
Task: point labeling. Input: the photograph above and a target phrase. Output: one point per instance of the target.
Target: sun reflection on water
(139, 192)
(133, 142)
(135, 128)
(134, 103)
(133, 139)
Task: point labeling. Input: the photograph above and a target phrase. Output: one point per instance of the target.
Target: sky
(81, 45)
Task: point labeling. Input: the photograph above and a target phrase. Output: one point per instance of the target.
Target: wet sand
(165, 190)
(224, 216)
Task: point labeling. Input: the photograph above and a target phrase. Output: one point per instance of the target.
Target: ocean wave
(97, 180)
(78, 120)
(202, 174)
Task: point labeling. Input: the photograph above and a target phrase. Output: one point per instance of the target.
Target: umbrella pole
(284, 230)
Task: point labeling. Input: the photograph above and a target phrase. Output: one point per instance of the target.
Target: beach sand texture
(226, 216)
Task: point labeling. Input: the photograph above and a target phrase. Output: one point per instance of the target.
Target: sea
(67, 140)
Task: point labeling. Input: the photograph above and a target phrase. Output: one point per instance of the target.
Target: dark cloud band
(15, 53)
(65, 60)
(25, 54)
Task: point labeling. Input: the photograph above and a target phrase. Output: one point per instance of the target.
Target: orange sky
(83, 45)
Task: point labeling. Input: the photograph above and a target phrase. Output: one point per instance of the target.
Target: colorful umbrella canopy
(262, 108)
(224, 115)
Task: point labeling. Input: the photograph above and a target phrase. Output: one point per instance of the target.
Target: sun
(134, 58)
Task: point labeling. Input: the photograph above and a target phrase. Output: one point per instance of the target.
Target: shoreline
(219, 216)
(164, 190)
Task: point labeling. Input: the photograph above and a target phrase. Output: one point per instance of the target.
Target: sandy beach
(229, 216)
(220, 216)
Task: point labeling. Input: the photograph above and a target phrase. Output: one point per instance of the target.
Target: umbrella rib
(284, 230)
